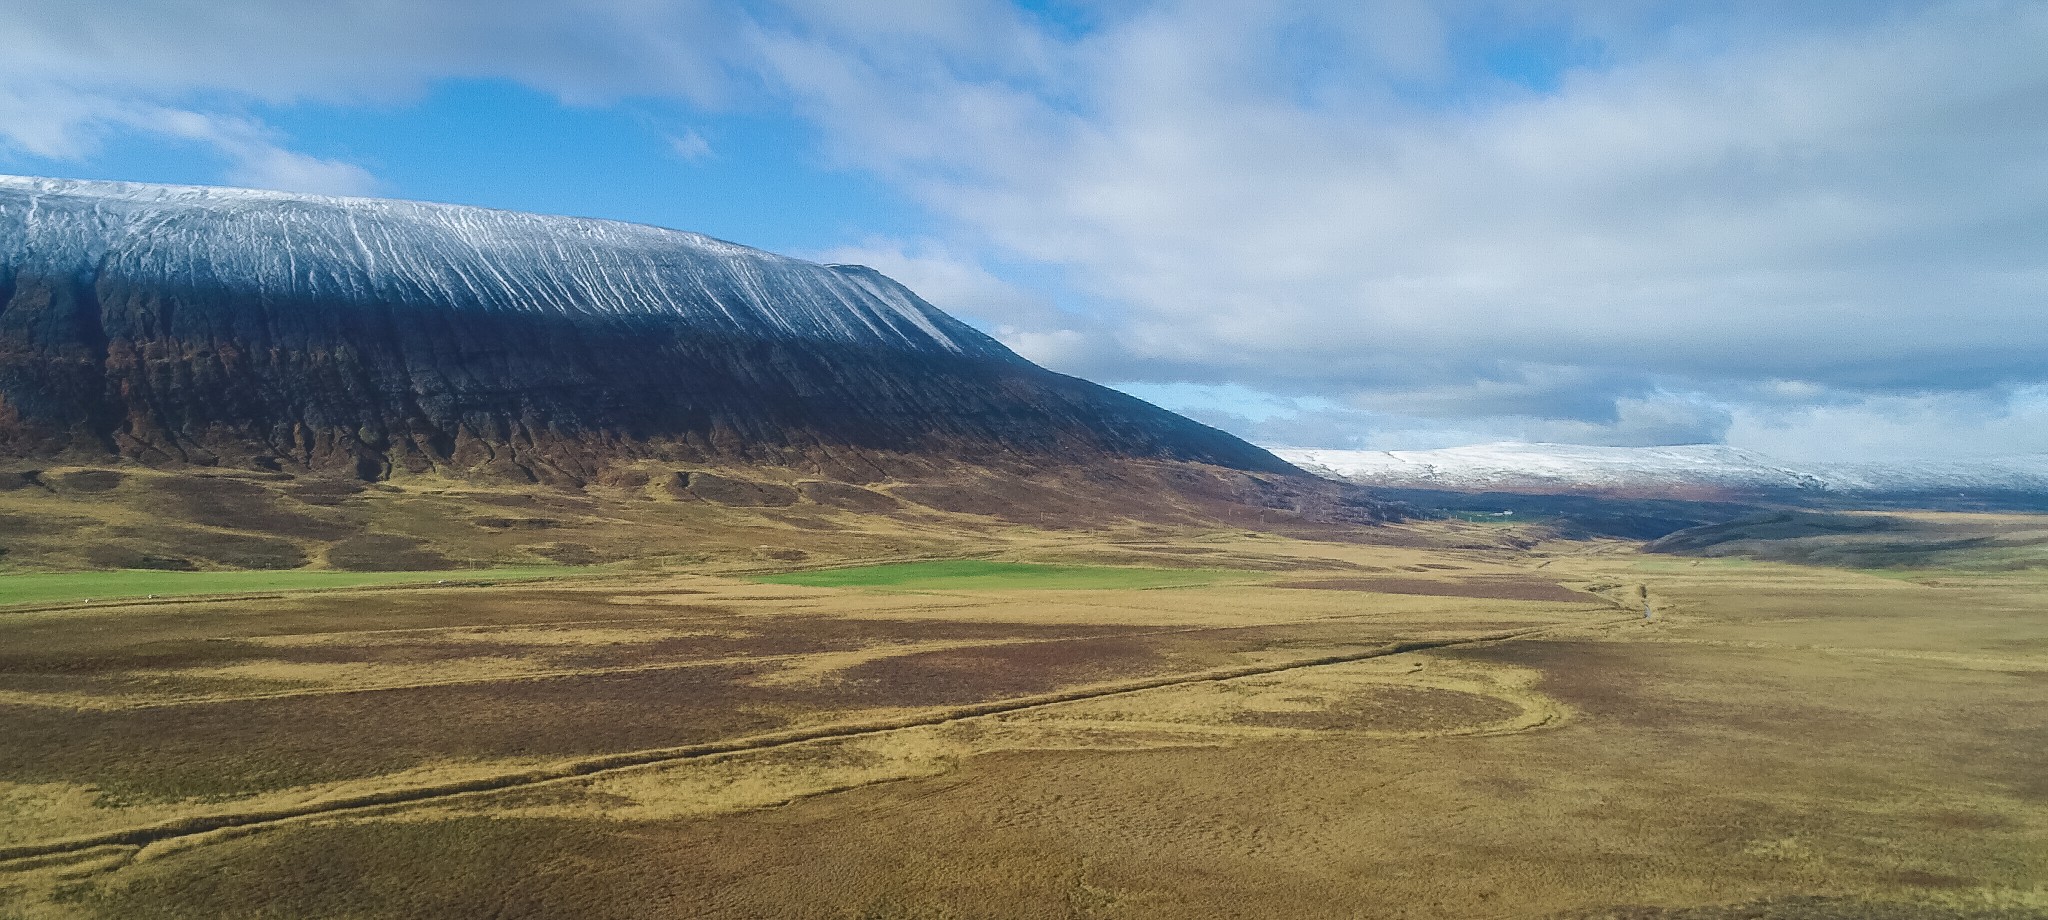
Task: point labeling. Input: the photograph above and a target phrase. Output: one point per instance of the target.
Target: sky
(1818, 230)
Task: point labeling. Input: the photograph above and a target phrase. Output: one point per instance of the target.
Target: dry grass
(1780, 742)
(1511, 587)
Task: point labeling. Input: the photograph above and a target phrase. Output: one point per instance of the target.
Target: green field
(63, 587)
(982, 575)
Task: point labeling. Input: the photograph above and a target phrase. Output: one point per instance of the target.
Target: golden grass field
(1429, 720)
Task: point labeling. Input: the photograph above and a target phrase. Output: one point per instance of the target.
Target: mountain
(1701, 471)
(1515, 467)
(173, 325)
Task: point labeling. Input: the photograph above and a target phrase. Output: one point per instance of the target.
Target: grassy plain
(65, 587)
(987, 575)
(1432, 721)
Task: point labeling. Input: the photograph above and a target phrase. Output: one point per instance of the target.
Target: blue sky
(749, 177)
(1814, 229)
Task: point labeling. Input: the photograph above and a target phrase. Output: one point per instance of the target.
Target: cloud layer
(1380, 223)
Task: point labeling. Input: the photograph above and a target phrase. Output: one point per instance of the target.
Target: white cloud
(690, 146)
(255, 157)
(352, 50)
(1751, 219)
(277, 168)
(72, 73)
(951, 281)
(46, 122)
(1931, 426)
(66, 125)
(1845, 200)
(1027, 321)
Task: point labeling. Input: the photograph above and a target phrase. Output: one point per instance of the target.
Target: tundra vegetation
(438, 699)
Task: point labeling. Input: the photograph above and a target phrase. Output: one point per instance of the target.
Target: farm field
(1195, 725)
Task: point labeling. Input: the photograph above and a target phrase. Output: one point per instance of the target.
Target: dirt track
(590, 766)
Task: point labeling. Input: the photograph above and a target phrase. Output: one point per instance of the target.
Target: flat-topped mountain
(173, 325)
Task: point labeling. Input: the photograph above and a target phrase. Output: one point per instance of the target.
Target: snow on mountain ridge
(308, 248)
(1568, 467)
(373, 338)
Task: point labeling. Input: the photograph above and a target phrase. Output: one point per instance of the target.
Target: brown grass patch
(324, 493)
(1012, 500)
(111, 556)
(235, 504)
(88, 481)
(730, 491)
(237, 748)
(25, 525)
(386, 553)
(234, 550)
(957, 676)
(1393, 709)
(1488, 587)
(517, 523)
(847, 497)
(12, 480)
(1810, 908)
(570, 553)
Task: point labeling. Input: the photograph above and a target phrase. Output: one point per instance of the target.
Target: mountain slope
(220, 326)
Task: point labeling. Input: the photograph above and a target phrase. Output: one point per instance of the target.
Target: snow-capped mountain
(316, 249)
(173, 324)
(1685, 471)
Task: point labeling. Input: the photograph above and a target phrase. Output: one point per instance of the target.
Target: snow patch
(293, 247)
(1518, 466)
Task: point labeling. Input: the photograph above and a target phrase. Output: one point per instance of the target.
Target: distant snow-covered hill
(1697, 470)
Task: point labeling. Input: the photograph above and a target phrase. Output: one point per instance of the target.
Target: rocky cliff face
(175, 325)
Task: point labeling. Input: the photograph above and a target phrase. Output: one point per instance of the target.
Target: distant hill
(1984, 542)
(1691, 472)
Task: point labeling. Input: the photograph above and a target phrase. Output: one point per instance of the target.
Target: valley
(366, 558)
(1437, 719)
